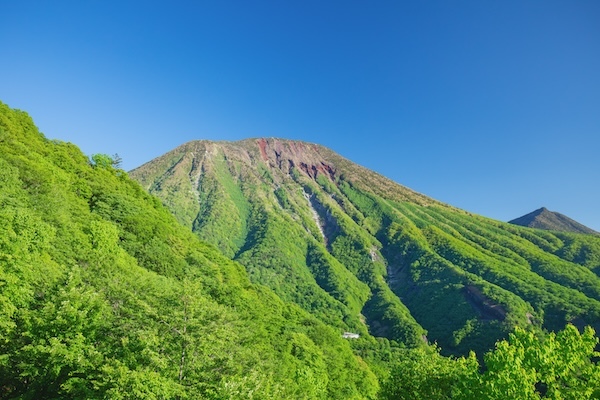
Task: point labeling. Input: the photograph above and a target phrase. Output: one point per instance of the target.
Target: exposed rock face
(549, 220)
(328, 225)
(486, 307)
(310, 159)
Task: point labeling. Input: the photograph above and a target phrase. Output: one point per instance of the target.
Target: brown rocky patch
(486, 308)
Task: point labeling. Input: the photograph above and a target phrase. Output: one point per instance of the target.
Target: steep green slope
(104, 295)
(365, 254)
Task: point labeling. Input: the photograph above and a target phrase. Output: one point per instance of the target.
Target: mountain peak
(363, 253)
(280, 157)
(542, 218)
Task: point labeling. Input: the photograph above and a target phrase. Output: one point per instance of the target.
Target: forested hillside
(365, 254)
(104, 295)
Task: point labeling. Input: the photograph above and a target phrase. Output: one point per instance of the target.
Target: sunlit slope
(104, 295)
(366, 254)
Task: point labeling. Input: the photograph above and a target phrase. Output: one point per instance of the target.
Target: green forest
(242, 288)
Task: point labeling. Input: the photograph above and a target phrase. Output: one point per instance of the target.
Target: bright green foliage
(526, 366)
(104, 295)
(423, 374)
(558, 366)
(103, 161)
(584, 250)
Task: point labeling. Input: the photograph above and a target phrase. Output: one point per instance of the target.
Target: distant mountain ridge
(367, 255)
(543, 218)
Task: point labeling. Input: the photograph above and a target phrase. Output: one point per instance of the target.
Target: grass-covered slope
(104, 295)
(365, 254)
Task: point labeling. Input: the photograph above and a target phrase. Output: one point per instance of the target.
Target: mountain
(103, 294)
(552, 221)
(366, 255)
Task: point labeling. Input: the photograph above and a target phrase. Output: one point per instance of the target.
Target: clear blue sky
(491, 106)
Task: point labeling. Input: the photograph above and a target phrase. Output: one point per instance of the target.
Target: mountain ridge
(276, 150)
(542, 218)
(349, 245)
